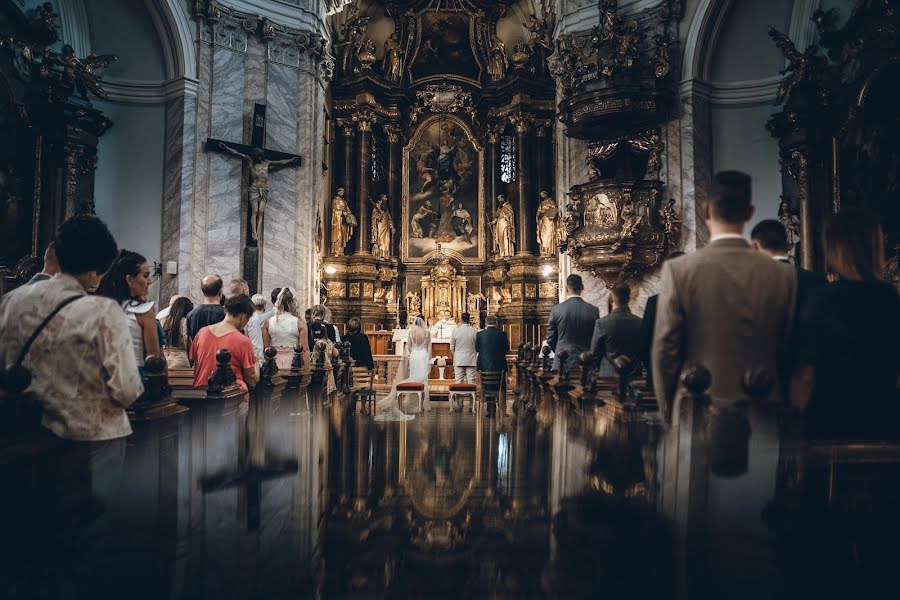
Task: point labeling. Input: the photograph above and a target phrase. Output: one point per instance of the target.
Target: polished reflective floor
(281, 497)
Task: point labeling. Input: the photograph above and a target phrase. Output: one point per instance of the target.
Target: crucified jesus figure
(259, 181)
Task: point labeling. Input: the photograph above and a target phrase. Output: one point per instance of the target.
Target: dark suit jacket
(848, 333)
(571, 327)
(616, 333)
(492, 346)
(807, 281)
(360, 350)
(647, 324)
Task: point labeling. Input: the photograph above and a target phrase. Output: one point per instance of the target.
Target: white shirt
(254, 332)
(82, 364)
(727, 236)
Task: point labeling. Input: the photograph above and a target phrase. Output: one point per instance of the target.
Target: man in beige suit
(725, 306)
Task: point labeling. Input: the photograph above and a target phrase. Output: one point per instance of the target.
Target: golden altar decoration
(443, 289)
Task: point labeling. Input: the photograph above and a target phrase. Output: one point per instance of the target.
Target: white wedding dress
(415, 366)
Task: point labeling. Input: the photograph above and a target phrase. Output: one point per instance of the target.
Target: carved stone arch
(703, 32)
(173, 26)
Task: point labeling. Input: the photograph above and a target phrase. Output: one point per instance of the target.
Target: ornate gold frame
(404, 229)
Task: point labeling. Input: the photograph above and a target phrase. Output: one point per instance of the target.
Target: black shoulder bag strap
(17, 378)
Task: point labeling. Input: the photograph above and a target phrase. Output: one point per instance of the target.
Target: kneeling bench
(409, 388)
(463, 391)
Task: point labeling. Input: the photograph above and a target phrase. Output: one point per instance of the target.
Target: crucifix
(260, 161)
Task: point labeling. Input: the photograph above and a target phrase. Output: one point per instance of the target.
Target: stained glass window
(507, 158)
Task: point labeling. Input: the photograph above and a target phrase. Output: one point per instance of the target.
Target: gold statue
(671, 222)
(548, 225)
(393, 58)
(342, 223)
(258, 194)
(630, 221)
(382, 228)
(504, 229)
(497, 62)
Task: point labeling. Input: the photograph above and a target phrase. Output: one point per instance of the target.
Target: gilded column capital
(541, 127)
(364, 120)
(347, 128)
(521, 122)
(393, 133)
(494, 133)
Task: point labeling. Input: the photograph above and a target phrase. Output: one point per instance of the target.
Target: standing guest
(318, 329)
(462, 345)
(254, 325)
(847, 337)
(724, 307)
(492, 345)
(211, 311)
(270, 312)
(237, 287)
(618, 333)
(51, 265)
(83, 372)
(161, 315)
(128, 283)
(571, 323)
(320, 314)
(307, 316)
(770, 237)
(178, 344)
(647, 325)
(285, 330)
(226, 334)
(360, 349)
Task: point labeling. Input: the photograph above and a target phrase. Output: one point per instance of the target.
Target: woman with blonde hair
(284, 330)
(846, 382)
(415, 367)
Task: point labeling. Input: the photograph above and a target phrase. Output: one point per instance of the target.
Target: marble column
(525, 215)
(395, 166)
(364, 125)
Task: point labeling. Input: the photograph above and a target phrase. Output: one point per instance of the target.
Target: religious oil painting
(445, 47)
(442, 174)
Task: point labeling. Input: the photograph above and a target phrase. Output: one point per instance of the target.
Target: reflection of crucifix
(261, 161)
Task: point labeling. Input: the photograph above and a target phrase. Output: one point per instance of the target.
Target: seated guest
(285, 330)
(161, 315)
(238, 286)
(360, 350)
(647, 324)
(82, 363)
(226, 334)
(492, 345)
(254, 325)
(128, 283)
(51, 265)
(211, 311)
(847, 337)
(618, 333)
(770, 238)
(178, 344)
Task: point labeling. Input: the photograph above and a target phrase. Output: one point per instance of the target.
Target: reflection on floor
(282, 497)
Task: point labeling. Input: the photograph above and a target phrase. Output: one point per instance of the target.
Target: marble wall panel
(223, 222)
(172, 199)
(310, 102)
(282, 126)
(200, 208)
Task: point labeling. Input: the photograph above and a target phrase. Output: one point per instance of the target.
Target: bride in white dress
(414, 367)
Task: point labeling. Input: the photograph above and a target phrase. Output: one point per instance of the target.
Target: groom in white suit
(462, 345)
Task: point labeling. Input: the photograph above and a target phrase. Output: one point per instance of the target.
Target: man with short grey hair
(238, 287)
(254, 325)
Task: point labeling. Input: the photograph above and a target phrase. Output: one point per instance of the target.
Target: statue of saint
(504, 229)
(342, 223)
(497, 62)
(259, 181)
(393, 58)
(671, 222)
(548, 225)
(788, 218)
(521, 53)
(382, 228)
(630, 221)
